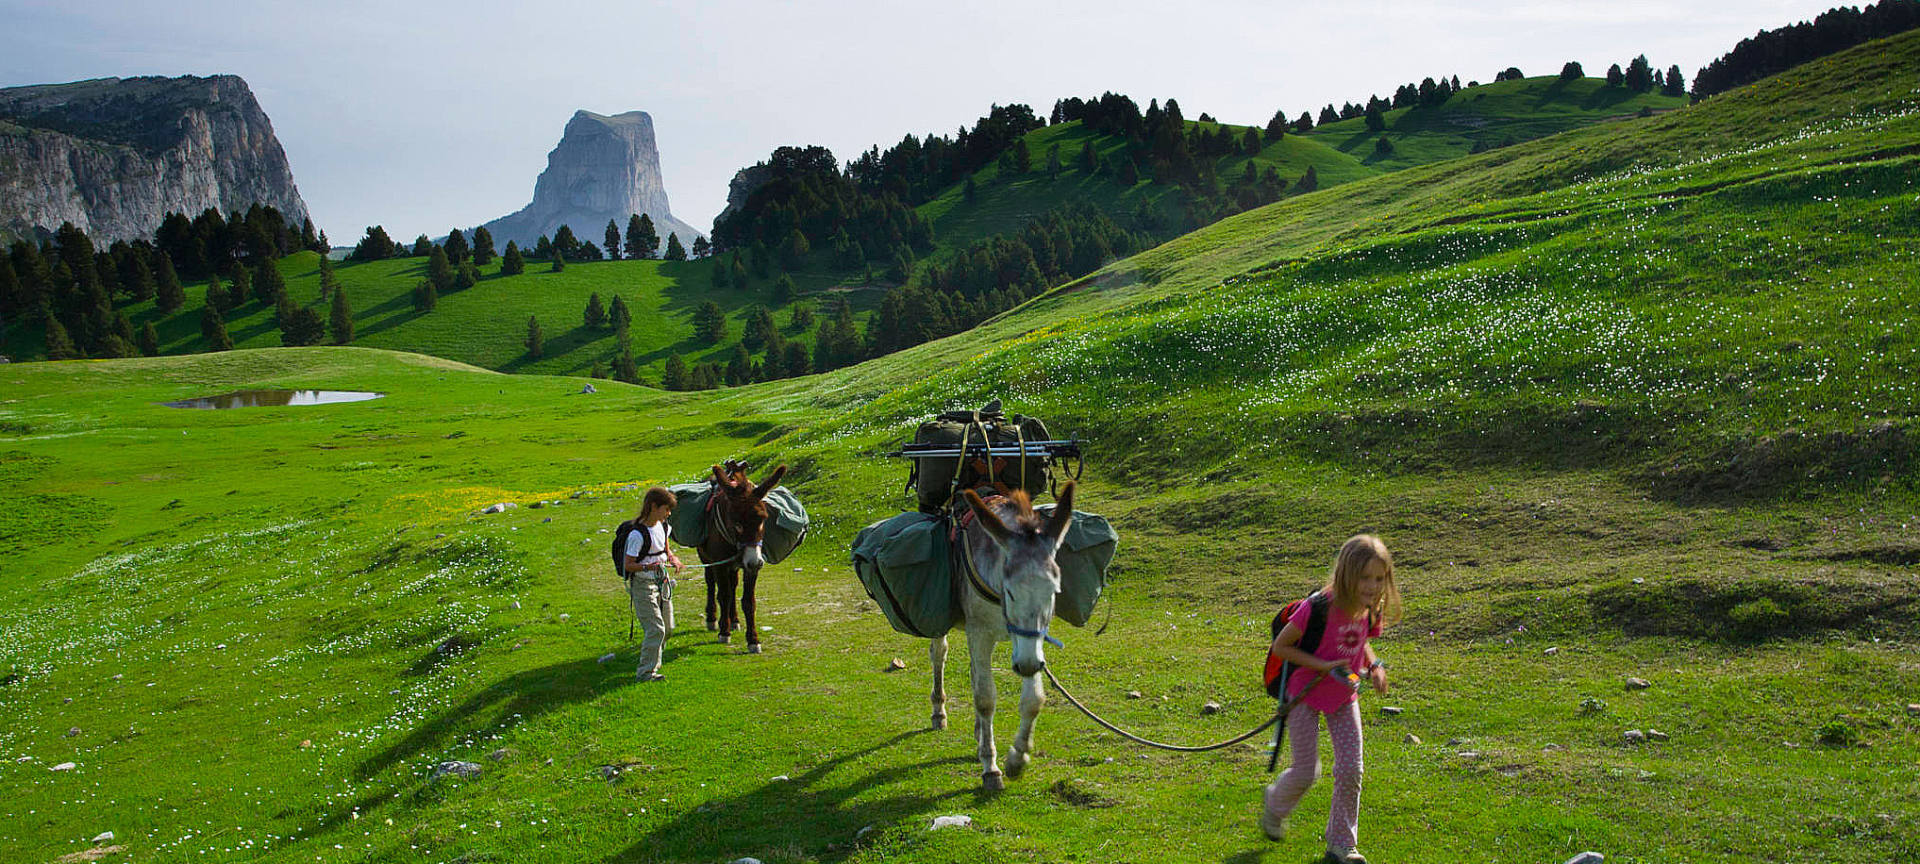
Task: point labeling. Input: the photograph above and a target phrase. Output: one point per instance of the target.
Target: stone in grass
(498, 755)
(463, 769)
(1634, 736)
(1587, 858)
(1638, 684)
(1393, 710)
(1914, 709)
(103, 837)
(736, 860)
(607, 657)
(495, 508)
(896, 665)
(94, 854)
(1551, 651)
(1411, 738)
(1656, 735)
(955, 821)
(72, 731)
(64, 766)
(1210, 708)
(1134, 694)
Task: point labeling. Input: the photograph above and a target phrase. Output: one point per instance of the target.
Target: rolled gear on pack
(933, 478)
(904, 563)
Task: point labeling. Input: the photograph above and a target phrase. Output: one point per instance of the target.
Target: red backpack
(1278, 669)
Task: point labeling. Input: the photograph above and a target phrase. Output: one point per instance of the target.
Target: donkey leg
(1032, 696)
(980, 657)
(729, 583)
(747, 605)
(713, 618)
(937, 658)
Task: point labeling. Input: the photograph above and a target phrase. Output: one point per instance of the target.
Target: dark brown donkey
(736, 519)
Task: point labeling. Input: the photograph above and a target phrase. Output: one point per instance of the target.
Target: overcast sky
(425, 116)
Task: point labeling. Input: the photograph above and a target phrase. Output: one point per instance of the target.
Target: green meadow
(1634, 401)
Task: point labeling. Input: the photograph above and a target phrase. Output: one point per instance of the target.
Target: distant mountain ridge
(114, 155)
(604, 168)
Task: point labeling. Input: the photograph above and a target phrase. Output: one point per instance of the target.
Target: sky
(427, 116)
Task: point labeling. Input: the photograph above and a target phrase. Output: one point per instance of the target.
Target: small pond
(274, 398)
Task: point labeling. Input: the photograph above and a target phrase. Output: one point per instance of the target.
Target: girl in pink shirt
(1363, 596)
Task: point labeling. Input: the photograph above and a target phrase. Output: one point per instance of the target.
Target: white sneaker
(1344, 855)
(1275, 827)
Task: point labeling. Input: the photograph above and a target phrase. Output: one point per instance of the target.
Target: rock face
(603, 168)
(114, 156)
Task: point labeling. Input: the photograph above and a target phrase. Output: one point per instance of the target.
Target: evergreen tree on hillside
(1304, 124)
(1308, 181)
(1089, 158)
(596, 316)
(800, 317)
(340, 319)
(535, 344)
(794, 249)
(759, 331)
(1376, 115)
(421, 246)
(1250, 142)
(738, 272)
(60, 344)
(456, 247)
(542, 249)
(242, 289)
(675, 251)
(1572, 71)
(482, 246)
(1277, 127)
(149, 340)
(722, 276)
(701, 248)
(642, 240)
(303, 328)
(739, 367)
(783, 290)
(213, 327)
(327, 280)
(1675, 85)
(283, 310)
(674, 376)
(511, 264)
(439, 271)
(559, 260)
(425, 298)
(1615, 77)
(270, 286)
(170, 295)
(612, 244)
(620, 317)
(565, 244)
(1639, 77)
(1129, 175)
(1053, 160)
(308, 240)
(794, 361)
(624, 368)
(709, 323)
(466, 275)
(217, 294)
(1329, 114)
(140, 282)
(1022, 159)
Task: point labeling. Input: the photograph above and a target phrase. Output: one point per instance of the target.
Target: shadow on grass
(811, 812)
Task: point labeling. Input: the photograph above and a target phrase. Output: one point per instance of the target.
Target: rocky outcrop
(745, 182)
(114, 156)
(603, 168)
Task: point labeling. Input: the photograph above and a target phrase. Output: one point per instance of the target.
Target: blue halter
(1034, 634)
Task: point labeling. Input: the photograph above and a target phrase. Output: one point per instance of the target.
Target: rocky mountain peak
(604, 168)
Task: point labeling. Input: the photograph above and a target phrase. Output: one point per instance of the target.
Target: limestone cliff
(114, 156)
(603, 168)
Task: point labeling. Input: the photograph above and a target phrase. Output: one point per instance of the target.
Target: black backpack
(619, 548)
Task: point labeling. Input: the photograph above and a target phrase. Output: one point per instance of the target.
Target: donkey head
(744, 506)
(1026, 571)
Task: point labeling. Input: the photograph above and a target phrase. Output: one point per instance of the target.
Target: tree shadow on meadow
(810, 813)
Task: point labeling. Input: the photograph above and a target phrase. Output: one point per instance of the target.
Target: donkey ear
(766, 484)
(986, 517)
(1062, 514)
(720, 478)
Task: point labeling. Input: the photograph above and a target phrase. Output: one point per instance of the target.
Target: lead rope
(1277, 714)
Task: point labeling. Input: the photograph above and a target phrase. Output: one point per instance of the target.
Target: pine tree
(242, 289)
(709, 323)
(801, 316)
(217, 294)
(425, 298)
(612, 244)
(140, 284)
(170, 295)
(1053, 160)
(1129, 175)
(123, 328)
(1089, 158)
(565, 244)
(624, 368)
(482, 246)
(439, 270)
(738, 271)
(308, 240)
(794, 361)
(1639, 76)
(213, 327)
(1615, 77)
(783, 290)
(674, 377)
(511, 264)
(1376, 115)
(559, 258)
(1675, 85)
(1308, 181)
(456, 247)
(270, 286)
(149, 340)
(1572, 71)
(1250, 143)
(619, 316)
(59, 344)
(599, 370)
(758, 328)
(1022, 159)
(327, 281)
(643, 240)
(535, 345)
(740, 367)
(701, 248)
(1304, 124)
(421, 246)
(466, 275)
(675, 251)
(340, 319)
(1277, 127)
(721, 277)
(304, 328)
(596, 315)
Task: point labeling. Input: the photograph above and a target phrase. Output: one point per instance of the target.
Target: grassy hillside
(1634, 401)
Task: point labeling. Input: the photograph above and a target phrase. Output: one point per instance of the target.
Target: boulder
(468, 770)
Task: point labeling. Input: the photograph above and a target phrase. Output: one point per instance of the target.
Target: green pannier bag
(1083, 558)
(785, 530)
(904, 564)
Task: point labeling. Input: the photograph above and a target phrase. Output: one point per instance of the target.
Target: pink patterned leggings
(1303, 728)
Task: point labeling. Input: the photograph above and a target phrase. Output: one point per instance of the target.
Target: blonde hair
(1359, 551)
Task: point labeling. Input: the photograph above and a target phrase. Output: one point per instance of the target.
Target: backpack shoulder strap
(1317, 604)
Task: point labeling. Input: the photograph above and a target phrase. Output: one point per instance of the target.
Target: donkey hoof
(939, 721)
(992, 781)
(712, 626)
(722, 638)
(1016, 763)
(753, 648)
